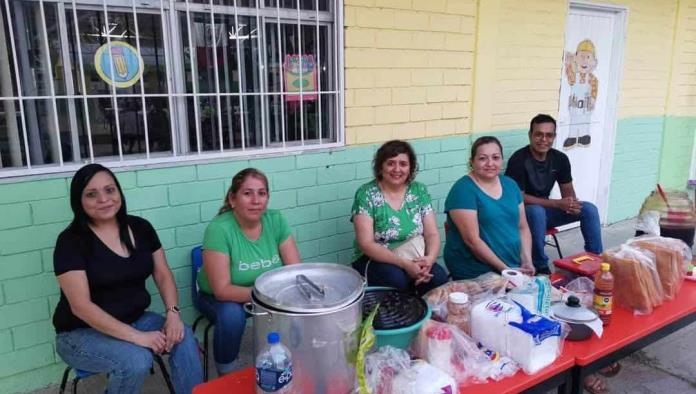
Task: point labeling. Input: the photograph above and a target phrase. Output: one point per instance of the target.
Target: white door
(588, 97)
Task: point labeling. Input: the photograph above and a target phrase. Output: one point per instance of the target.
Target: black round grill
(396, 309)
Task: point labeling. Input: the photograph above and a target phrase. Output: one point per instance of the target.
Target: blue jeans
(389, 275)
(127, 364)
(541, 218)
(230, 319)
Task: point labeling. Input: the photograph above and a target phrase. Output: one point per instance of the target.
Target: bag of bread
(671, 258)
(637, 284)
(485, 285)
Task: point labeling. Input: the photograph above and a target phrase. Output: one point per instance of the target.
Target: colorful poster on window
(300, 74)
(127, 64)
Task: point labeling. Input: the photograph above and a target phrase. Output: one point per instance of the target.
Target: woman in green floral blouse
(390, 211)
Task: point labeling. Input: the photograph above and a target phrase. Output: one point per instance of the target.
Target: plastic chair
(552, 232)
(196, 265)
(80, 374)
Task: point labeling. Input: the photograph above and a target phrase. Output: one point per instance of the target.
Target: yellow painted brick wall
(519, 52)
(647, 57)
(408, 68)
(681, 100)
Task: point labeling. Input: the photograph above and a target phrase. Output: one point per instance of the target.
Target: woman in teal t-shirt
(243, 241)
(486, 223)
(387, 212)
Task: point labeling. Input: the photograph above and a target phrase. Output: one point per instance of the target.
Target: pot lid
(309, 287)
(572, 311)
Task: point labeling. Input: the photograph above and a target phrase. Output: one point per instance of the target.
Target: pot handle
(250, 309)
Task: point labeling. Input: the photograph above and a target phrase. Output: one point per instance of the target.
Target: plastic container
(604, 293)
(459, 311)
(398, 337)
(401, 337)
(274, 367)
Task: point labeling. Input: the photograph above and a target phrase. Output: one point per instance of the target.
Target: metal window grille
(132, 82)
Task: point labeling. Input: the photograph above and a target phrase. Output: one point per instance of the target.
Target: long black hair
(80, 223)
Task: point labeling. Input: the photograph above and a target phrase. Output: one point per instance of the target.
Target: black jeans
(389, 275)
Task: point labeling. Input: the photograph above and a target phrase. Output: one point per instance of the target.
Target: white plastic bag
(423, 378)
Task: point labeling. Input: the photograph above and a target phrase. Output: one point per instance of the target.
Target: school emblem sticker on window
(126, 67)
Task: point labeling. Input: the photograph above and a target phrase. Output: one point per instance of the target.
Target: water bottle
(274, 367)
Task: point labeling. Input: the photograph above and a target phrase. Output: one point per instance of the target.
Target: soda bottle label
(602, 303)
(271, 379)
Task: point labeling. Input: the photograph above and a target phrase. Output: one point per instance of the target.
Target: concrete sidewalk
(665, 367)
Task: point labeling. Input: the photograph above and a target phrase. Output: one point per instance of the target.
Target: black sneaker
(569, 142)
(585, 140)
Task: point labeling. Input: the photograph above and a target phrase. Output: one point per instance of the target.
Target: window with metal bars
(131, 82)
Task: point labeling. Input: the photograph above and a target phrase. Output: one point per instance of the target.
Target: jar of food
(459, 311)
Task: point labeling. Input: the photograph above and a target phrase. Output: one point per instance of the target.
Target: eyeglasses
(548, 136)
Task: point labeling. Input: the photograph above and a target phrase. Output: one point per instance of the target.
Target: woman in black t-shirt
(102, 260)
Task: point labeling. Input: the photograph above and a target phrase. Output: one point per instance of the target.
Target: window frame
(183, 151)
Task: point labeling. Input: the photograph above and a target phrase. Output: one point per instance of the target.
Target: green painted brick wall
(636, 165)
(677, 149)
(315, 192)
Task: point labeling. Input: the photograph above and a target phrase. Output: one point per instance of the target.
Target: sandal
(594, 384)
(611, 370)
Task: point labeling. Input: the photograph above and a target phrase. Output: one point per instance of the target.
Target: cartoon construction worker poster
(584, 85)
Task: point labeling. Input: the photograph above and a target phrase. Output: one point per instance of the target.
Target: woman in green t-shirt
(390, 211)
(243, 241)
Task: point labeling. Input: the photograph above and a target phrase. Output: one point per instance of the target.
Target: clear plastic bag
(672, 256)
(637, 285)
(531, 340)
(581, 287)
(484, 286)
(449, 349)
(382, 366)
(675, 209)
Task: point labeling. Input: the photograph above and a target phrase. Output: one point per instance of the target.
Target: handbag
(411, 249)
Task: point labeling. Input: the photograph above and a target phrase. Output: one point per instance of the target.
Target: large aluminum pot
(317, 310)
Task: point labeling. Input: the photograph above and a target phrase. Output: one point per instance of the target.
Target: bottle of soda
(603, 293)
(274, 367)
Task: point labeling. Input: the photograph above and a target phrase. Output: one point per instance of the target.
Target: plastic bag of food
(484, 286)
(449, 349)
(671, 258)
(637, 284)
(581, 287)
(531, 340)
(423, 378)
(382, 366)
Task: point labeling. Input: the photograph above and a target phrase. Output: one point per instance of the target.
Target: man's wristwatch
(173, 308)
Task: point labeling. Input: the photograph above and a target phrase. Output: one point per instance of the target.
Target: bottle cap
(273, 337)
(605, 266)
(459, 298)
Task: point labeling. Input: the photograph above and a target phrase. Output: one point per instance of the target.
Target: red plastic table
(557, 375)
(628, 333)
(240, 382)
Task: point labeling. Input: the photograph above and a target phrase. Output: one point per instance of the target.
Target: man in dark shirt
(536, 168)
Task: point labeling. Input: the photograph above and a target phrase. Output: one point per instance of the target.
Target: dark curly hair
(391, 149)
